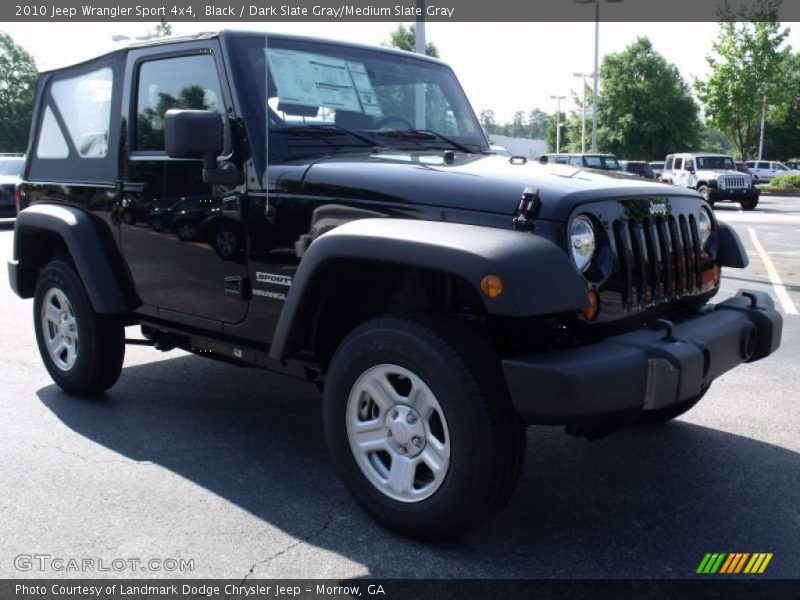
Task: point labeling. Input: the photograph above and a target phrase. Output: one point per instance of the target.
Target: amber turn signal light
(492, 286)
(590, 312)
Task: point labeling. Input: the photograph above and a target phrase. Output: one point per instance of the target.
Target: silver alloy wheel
(226, 242)
(59, 329)
(398, 433)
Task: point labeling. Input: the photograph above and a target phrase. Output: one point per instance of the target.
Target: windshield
(322, 98)
(11, 166)
(715, 163)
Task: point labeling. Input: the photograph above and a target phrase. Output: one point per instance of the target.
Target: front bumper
(735, 194)
(647, 369)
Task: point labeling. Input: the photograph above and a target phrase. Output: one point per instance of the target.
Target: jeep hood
(471, 182)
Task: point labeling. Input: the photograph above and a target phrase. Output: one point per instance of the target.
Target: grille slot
(659, 259)
(732, 181)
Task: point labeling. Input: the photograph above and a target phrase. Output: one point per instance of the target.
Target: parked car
(605, 162)
(658, 169)
(11, 166)
(441, 297)
(793, 164)
(714, 176)
(638, 167)
(741, 166)
(765, 170)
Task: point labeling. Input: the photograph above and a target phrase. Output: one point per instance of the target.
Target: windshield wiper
(424, 134)
(323, 130)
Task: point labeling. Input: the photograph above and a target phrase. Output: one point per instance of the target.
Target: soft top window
(85, 105)
(74, 140)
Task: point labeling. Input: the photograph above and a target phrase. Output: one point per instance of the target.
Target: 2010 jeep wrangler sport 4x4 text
(334, 212)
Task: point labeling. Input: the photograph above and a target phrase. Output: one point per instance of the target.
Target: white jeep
(714, 176)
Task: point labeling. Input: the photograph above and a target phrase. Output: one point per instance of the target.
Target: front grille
(732, 181)
(660, 259)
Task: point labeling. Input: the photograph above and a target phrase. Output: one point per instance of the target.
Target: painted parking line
(780, 291)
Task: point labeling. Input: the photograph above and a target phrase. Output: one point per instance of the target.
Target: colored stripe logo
(734, 562)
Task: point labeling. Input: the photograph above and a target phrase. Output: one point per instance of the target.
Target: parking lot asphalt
(190, 459)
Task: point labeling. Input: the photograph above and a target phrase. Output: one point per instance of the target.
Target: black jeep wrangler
(366, 239)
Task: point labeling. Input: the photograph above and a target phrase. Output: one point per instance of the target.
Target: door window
(188, 82)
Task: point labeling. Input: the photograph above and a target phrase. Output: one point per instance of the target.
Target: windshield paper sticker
(366, 93)
(309, 79)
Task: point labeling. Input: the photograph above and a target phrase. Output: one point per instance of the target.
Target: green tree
(538, 122)
(645, 110)
(749, 72)
(551, 134)
(782, 131)
(404, 37)
(489, 121)
(714, 140)
(17, 82)
(163, 29)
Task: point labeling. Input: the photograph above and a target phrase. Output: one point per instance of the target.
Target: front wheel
(82, 350)
(420, 425)
(703, 191)
(749, 204)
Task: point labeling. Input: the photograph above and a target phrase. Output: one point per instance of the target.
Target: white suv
(765, 170)
(714, 176)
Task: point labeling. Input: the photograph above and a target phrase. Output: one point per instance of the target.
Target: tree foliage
(163, 29)
(17, 83)
(404, 37)
(750, 71)
(782, 135)
(645, 109)
(566, 137)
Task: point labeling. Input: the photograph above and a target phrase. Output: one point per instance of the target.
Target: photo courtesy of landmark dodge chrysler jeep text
(351, 227)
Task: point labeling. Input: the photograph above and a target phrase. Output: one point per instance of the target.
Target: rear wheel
(82, 350)
(420, 426)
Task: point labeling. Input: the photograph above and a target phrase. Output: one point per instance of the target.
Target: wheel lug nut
(417, 441)
(411, 418)
(395, 414)
(388, 433)
(402, 449)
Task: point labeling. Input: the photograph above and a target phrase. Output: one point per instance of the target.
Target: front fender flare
(538, 277)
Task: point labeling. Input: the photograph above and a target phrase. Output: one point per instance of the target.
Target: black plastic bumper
(736, 194)
(647, 369)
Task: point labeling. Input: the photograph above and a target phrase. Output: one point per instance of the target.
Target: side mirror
(198, 134)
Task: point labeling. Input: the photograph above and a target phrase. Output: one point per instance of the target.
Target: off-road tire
(486, 438)
(749, 204)
(100, 338)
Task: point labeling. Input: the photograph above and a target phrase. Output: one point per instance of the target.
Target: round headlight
(704, 225)
(582, 242)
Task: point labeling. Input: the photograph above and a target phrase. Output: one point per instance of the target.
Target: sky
(502, 66)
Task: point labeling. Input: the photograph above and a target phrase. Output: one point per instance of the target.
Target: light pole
(583, 76)
(596, 60)
(558, 100)
(419, 48)
(761, 136)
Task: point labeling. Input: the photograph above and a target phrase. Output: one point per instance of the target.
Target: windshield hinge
(527, 210)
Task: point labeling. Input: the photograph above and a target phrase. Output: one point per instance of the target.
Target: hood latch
(527, 210)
